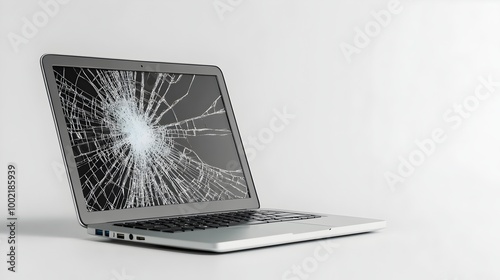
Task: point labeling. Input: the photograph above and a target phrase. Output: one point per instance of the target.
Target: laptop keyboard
(217, 220)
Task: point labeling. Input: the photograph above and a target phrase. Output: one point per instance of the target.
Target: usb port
(98, 232)
(106, 233)
(140, 238)
(120, 236)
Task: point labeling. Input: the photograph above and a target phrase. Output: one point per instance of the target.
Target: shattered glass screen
(143, 139)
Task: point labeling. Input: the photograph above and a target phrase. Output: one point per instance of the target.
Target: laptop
(153, 155)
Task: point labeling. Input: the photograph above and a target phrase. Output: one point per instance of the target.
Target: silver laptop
(153, 155)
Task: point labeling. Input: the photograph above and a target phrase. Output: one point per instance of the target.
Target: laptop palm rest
(249, 232)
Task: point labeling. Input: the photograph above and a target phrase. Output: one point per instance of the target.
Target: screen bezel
(48, 61)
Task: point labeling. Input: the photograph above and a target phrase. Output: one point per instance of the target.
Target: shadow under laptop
(153, 247)
(196, 252)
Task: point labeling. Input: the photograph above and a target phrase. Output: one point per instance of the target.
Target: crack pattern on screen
(131, 145)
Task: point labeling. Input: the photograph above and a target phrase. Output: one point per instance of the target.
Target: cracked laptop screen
(143, 139)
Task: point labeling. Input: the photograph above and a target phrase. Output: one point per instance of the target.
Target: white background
(353, 120)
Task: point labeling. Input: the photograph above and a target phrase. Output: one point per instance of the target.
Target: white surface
(352, 122)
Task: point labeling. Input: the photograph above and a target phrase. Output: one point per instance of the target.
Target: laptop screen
(143, 139)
